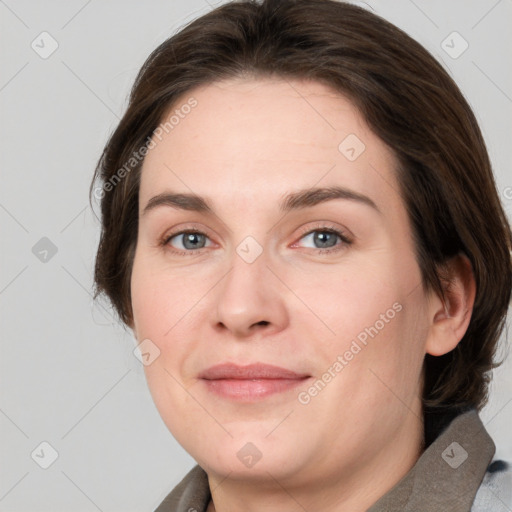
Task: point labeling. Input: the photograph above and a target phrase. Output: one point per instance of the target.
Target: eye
(324, 239)
(188, 241)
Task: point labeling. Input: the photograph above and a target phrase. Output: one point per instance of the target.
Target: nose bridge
(246, 278)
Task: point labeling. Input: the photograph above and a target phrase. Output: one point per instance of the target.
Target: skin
(247, 144)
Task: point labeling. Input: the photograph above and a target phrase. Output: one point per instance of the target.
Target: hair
(407, 99)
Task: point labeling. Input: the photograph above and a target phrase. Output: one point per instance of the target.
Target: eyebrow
(190, 202)
(312, 196)
(298, 200)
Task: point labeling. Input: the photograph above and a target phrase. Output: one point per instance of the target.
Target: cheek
(160, 310)
(161, 298)
(169, 310)
(366, 318)
(344, 300)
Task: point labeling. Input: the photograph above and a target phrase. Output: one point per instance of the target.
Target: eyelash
(346, 240)
(324, 228)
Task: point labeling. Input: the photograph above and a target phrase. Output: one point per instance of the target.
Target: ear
(449, 320)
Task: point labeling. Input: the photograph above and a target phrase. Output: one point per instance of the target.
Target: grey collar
(448, 474)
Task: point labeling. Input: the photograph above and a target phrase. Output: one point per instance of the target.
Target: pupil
(192, 241)
(323, 238)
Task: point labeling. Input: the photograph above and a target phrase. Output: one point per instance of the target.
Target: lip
(250, 371)
(251, 382)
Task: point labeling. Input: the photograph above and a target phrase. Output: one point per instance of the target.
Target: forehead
(262, 137)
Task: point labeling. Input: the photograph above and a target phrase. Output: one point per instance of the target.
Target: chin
(248, 457)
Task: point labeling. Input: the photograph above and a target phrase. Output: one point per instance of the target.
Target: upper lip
(251, 371)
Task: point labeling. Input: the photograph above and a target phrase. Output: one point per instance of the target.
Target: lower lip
(245, 389)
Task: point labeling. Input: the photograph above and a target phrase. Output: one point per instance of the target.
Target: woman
(301, 227)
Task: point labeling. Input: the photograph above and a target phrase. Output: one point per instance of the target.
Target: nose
(250, 299)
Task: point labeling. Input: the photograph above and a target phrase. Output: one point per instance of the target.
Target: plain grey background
(69, 377)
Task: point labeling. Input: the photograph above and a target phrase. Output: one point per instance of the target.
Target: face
(271, 232)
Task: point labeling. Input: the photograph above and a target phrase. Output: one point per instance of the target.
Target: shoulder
(495, 491)
(191, 494)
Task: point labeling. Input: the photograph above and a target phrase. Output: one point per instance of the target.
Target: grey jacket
(454, 474)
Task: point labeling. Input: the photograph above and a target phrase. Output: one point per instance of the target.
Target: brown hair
(407, 99)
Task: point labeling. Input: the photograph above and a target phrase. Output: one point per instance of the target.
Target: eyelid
(345, 234)
(173, 234)
(184, 228)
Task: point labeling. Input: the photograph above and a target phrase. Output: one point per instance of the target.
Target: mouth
(251, 382)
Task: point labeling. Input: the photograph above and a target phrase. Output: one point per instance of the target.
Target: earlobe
(450, 319)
